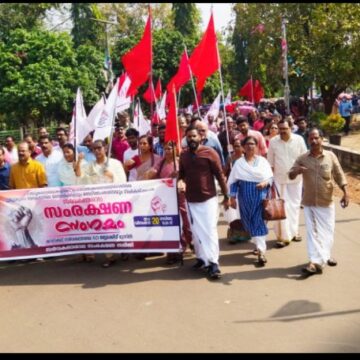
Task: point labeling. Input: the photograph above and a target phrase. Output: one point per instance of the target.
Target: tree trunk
(329, 95)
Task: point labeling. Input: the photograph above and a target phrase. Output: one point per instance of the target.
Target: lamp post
(285, 68)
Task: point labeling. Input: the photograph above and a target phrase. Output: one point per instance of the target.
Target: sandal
(312, 269)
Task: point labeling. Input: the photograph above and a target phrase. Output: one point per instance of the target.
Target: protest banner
(139, 216)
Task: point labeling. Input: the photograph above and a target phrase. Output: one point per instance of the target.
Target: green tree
(323, 43)
(186, 19)
(85, 30)
(39, 75)
(22, 15)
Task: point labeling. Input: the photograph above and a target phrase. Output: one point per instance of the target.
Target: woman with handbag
(248, 180)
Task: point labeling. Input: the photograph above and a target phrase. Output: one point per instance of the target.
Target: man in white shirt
(50, 158)
(284, 149)
(11, 150)
(132, 136)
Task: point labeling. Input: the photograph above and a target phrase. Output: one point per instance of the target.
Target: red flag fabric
(182, 76)
(149, 93)
(246, 90)
(205, 60)
(172, 130)
(253, 91)
(158, 90)
(258, 92)
(137, 61)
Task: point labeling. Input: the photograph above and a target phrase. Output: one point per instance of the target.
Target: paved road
(146, 306)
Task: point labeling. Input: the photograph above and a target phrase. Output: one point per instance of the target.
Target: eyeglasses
(97, 148)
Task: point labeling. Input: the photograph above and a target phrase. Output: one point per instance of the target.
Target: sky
(222, 14)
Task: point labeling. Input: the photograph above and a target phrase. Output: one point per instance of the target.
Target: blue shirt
(159, 149)
(345, 108)
(4, 176)
(89, 155)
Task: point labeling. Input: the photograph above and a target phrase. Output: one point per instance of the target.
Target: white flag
(189, 109)
(79, 121)
(140, 123)
(95, 113)
(214, 109)
(228, 98)
(104, 123)
(122, 101)
(161, 110)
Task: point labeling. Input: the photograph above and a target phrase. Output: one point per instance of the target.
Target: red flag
(149, 93)
(252, 90)
(182, 76)
(247, 90)
(158, 90)
(258, 92)
(137, 61)
(172, 129)
(205, 60)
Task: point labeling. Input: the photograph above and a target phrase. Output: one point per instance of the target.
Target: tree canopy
(41, 68)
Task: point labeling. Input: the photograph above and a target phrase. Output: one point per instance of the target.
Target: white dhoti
(320, 225)
(288, 228)
(203, 218)
(260, 243)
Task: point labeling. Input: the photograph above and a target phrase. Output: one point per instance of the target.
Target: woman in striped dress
(249, 180)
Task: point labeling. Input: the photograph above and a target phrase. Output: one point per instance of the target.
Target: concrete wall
(349, 159)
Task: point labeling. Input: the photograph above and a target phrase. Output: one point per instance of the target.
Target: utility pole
(107, 52)
(285, 63)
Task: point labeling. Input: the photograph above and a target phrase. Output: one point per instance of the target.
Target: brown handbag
(273, 206)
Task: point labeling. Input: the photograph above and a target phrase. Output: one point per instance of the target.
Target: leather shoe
(214, 271)
(198, 265)
(332, 262)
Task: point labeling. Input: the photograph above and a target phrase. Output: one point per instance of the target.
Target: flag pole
(111, 132)
(193, 84)
(178, 103)
(75, 129)
(151, 64)
(229, 146)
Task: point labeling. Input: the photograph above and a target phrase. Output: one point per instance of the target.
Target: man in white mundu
(320, 168)
(283, 150)
(198, 167)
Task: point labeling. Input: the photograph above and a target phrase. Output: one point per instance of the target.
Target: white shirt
(94, 173)
(128, 154)
(12, 155)
(51, 164)
(282, 155)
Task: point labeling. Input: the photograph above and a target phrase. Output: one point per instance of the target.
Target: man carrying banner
(198, 166)
(100, 171)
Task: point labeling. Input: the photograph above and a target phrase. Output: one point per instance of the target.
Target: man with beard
(320, 169)
(198, 166)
